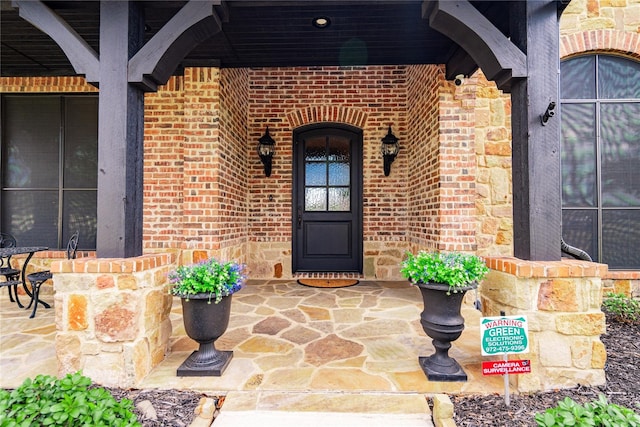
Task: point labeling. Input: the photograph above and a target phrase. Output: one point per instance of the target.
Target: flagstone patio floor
(288, 340)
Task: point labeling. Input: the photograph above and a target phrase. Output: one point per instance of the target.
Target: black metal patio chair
(11, 275)
(37, 279)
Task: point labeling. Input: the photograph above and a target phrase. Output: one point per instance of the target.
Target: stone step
(322, 409)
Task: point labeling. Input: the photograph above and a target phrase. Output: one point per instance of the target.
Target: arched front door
(327, 198)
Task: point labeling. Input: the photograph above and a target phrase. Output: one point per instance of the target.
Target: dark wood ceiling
(257, 34)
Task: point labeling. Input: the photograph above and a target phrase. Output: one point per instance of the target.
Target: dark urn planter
(205, 323)
(442, 321)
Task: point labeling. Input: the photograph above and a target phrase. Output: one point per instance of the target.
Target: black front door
(327, 198)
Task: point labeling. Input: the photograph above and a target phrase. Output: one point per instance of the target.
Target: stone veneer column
(112, 317)
(562, 301)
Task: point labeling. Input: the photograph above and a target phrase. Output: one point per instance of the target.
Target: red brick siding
(369, 97)
(423, 86)
(604, 41)
(442, 171)
(457, 168)
(63, 84)
(163, 166)
(232, 161)
(201, 155)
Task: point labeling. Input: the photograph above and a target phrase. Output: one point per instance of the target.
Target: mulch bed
(173, 408)
(176, 408)
(623, 387)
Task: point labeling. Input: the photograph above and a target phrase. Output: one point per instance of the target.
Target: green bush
(70, 401)
(598, 413)
(622, 308)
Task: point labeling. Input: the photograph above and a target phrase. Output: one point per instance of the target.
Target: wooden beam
(460, 63)
(497, 56)
(160, 56)
(537, 213)
(82, 57)
(120, 134)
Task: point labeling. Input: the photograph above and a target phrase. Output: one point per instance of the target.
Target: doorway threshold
(328, 275)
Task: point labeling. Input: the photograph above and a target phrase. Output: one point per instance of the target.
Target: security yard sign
(504, 335)
(501, 367)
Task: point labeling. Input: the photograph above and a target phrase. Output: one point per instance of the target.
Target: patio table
(19, 250)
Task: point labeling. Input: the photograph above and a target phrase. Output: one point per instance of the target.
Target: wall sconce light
(389, 151)
(266, 148)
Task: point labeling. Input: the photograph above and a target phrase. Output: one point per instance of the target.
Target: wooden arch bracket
(154, 63)
(83, 58)
(492, 51)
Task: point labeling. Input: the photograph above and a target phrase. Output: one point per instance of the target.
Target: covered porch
(286, 337)
(209, 197)
(115, 321)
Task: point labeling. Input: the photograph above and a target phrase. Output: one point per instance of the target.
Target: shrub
(598, 413)
(622, 308)
(70, 401)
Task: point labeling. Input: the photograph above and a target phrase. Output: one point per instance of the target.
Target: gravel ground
(176, 408)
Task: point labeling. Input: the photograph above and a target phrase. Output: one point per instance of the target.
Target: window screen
(49, 169)
(600, 158)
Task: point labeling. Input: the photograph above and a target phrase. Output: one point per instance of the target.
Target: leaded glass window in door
(327, 171)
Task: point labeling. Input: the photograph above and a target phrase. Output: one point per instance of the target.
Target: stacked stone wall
(561, 301)
(41, 261)
(112, 317)
(586, 15)
(494, 195)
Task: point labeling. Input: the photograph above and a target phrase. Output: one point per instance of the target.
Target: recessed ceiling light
(321, 22)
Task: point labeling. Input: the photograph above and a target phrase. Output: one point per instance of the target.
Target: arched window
(601, 158)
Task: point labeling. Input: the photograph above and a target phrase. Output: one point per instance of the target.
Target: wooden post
(120, 134)
(537, 214)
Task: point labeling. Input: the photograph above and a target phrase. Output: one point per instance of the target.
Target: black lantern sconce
(389, 149)
(266, 148)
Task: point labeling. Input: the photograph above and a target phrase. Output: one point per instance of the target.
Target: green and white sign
(504, 335)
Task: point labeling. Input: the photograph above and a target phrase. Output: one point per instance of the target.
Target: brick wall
(231, 175)
(205, 190)
(195, 165)
(457, 168)
(45, 85)
(377, 93)
(423, 84)
(163, 166)
(201, 153)
(371, 98)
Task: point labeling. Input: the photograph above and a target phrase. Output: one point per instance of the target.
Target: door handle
(299, 217)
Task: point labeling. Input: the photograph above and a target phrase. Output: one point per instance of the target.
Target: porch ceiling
(258, 34)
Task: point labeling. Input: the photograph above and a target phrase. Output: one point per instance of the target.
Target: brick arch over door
(327, 113)
(602, 41)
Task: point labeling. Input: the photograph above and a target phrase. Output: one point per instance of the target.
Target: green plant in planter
(456, 269)
(218, 279)
(70, 401)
